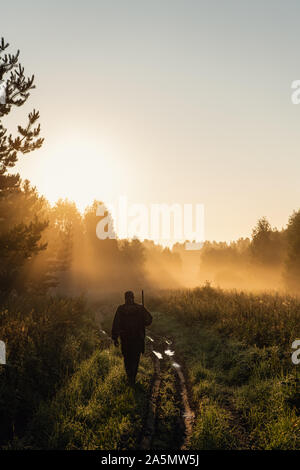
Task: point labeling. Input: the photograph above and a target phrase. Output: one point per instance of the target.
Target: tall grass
(96, 409)
(236, 350)
(261, 319)
(46, 339)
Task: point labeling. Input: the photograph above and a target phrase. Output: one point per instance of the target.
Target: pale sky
(165, 102)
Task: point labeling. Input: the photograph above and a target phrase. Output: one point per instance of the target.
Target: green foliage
(213, 429)
(273, 424)
(46, 339)
(237, 353)
(169, 427)
(19, 239)
(261, 319)
(96, 409)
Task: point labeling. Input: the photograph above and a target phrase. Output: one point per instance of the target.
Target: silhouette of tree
(292, 265)
(267, 243)
(20, 230)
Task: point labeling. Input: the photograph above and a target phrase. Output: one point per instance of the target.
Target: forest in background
(55, 249)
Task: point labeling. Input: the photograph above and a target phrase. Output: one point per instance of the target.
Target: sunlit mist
(80, 169)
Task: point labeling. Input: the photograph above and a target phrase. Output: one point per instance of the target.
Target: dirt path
(188, 415)
(164, 356)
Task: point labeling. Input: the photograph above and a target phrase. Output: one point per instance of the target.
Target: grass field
(236, 352)
(65, 386)
(96, 409)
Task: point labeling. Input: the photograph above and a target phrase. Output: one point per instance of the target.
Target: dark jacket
(129, 324)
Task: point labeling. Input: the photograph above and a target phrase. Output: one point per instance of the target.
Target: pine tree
(20, 234)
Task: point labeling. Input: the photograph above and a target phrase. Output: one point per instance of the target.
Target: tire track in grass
(149, 428)
(160, 351)
(187, 414)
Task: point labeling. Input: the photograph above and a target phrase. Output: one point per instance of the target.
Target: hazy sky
(166, 102)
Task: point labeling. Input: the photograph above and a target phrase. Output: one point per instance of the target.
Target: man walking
(129, 325)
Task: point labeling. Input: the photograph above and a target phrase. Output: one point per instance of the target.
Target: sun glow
(80, 172)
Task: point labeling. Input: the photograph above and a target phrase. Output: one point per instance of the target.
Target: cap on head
(129, 297)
